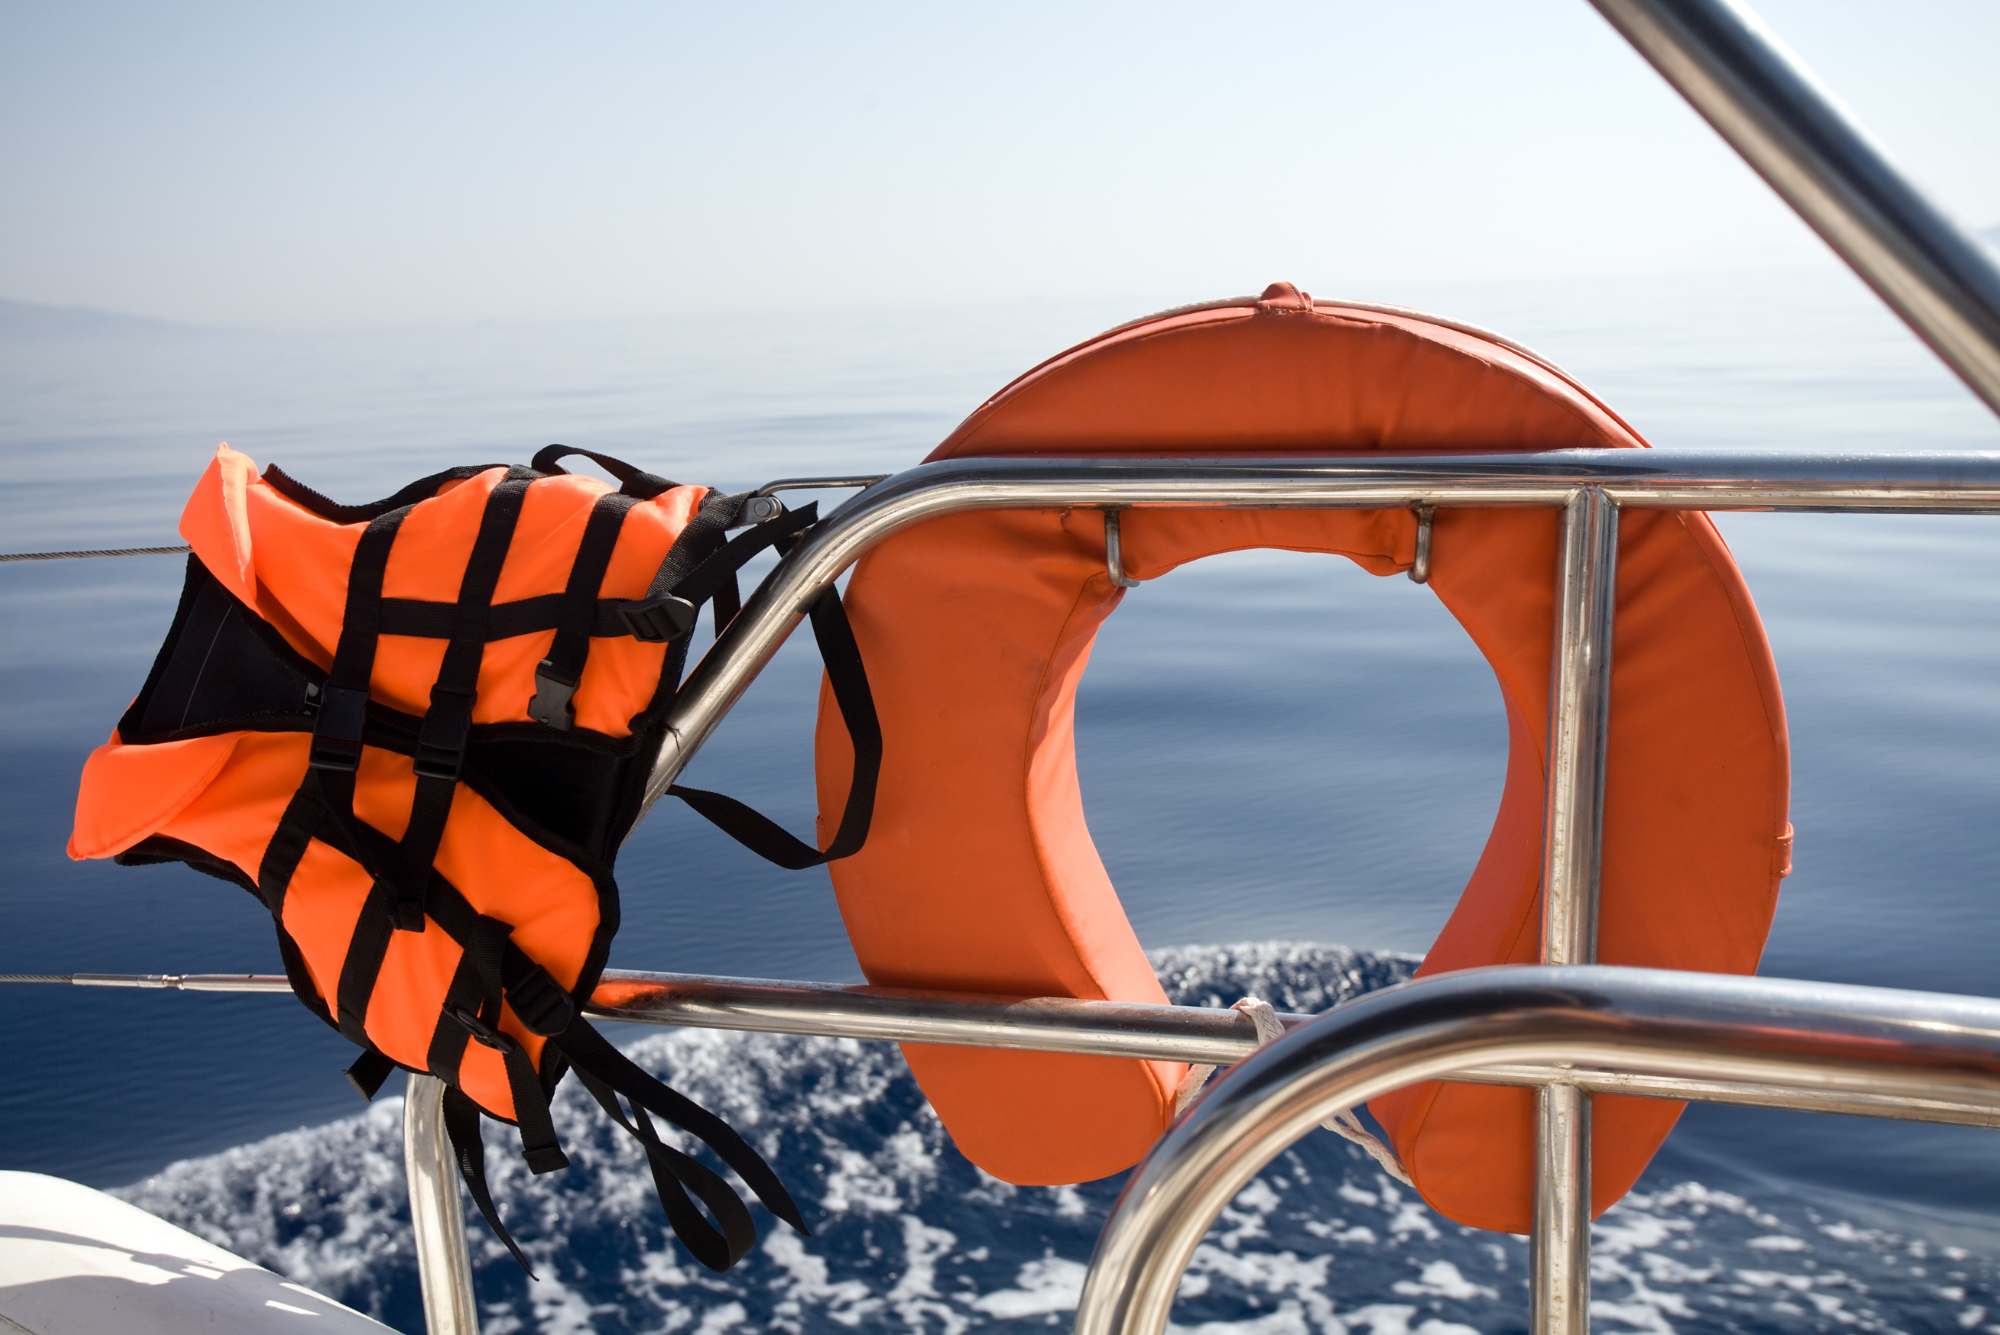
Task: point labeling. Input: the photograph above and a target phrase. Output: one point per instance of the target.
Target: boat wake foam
(912, 1237)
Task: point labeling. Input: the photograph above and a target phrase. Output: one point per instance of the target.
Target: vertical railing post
(437, 1220)
(1579, 724)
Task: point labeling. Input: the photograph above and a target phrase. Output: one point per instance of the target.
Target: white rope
(1343, 1123)
(1190, 1085)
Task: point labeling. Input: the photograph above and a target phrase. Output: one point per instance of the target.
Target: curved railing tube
(1798, 138)
(1061, 1024)
(1958, 482)
(1809, 1037)
(437, 1218)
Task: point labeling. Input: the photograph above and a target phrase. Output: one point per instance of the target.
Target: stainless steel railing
(437, 1215)
(1673, 479)
(1625, 1053)
(1793, 133)
(1794, 1040)
(1873, 1052)
(1571, 1029)
(1675, 1036)
(1591, 487)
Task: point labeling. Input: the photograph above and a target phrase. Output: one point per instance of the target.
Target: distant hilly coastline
(29, 319)
(35, 320)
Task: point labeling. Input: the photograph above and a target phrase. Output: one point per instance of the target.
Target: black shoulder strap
(666, 615)
(634, 482)
(422, 489)
(697, 568)
(849, 678)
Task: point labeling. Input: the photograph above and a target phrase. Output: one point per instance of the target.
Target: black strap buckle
(441, 740)
(482, 1031)
(539, 1002)
(659, 620)
(336, 739)
(551, 703)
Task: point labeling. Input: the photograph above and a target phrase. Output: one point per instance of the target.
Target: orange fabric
(979, 872)
(227, 793)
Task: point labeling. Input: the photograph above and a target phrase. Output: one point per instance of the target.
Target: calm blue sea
(1275, 749)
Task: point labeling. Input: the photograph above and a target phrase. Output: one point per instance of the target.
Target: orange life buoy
(980, 873)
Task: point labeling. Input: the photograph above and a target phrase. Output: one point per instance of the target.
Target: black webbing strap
(482, 961)
(690, 575)
(634, 482)
(343, 701)
(725, 604)
(542, 1006)
(461, 1125)
(447, 724)
(660, 616)
(539, 1002)
(368, 1072)
(556, 676)
(313, 814)
(449, 1038)
(717, 571)
(674, 1174)
(335, 755)
(523, 616)
(362, 964)
(589, 1051)
(849, 678)
(304, 815)
(300, 977)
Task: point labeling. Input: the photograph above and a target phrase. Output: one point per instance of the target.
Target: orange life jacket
(417, 731)
(976, 629)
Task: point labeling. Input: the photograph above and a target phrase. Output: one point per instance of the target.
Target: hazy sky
(294, 164)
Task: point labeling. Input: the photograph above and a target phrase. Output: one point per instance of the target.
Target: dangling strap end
(547, 1159)
(787, 1213)
(370, 1069)
(461, 1124)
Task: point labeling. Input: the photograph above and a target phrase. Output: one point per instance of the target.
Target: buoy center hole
(1274, 745)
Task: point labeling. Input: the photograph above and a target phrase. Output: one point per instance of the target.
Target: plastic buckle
(551, 703)
(483, 1032)
(441, 740)
(659, 620)
(539, 1003)
(336, 737)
